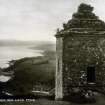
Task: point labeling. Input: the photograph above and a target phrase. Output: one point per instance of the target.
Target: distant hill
(45, 47)
(41, 45)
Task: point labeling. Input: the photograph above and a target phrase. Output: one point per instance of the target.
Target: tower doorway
(91, 74)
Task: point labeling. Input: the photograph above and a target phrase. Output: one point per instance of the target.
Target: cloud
(38, 19)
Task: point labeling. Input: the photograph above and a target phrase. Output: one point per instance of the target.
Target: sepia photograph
(52, 52)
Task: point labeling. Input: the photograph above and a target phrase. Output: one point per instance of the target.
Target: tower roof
(84, 21)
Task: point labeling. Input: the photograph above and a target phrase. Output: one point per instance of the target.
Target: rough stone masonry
(80, 51)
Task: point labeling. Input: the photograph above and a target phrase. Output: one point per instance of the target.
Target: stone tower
(80, 50)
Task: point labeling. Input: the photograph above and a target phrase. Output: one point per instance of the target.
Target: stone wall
(80, 44)
(79, 53)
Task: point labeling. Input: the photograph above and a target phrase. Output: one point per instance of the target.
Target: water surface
(8, 53)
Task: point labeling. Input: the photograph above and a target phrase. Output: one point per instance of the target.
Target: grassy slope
(33, 70)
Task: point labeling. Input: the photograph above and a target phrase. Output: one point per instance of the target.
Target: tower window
(90, 74)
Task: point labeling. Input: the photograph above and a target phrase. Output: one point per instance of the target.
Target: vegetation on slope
(34, 72)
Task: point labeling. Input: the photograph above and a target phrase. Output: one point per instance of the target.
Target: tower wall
(81, 52)
(59, 69)
(80, 45)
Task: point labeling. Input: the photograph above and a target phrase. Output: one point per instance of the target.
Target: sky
(39, 19)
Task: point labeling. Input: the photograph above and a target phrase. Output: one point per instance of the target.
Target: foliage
(30, 72)
(84, 8)
(84, 18)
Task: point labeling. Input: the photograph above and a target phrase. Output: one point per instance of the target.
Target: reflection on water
(16, 52)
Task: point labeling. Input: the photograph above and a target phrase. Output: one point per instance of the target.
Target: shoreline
(15, 53)
(37, 50)
(12, 61)
(45, 56)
